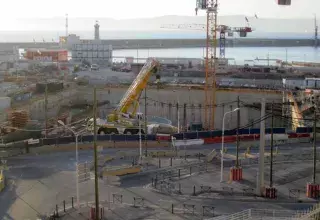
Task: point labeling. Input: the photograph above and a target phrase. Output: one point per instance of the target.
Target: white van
(94, 67)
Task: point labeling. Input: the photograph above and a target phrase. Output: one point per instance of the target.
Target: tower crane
(211, 8)
(224, 31)
(211, 60)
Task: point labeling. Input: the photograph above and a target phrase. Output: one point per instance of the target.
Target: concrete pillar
(260, 182)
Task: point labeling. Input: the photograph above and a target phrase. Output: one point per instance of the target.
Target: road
(37, 182)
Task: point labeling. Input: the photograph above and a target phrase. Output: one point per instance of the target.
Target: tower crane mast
(211, 8)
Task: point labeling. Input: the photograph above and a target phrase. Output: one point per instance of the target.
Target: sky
(12, 18)
(127, 9)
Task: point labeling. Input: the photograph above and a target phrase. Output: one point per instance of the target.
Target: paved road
(37, 182)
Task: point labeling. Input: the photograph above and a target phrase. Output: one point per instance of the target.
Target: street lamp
(222, 142)
(76, 134)
(178, 112)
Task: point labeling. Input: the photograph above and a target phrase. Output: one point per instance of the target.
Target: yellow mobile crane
(121, 120)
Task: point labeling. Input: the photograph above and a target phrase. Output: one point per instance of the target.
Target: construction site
(159, 138)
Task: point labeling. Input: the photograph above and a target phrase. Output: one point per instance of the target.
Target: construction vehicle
(121, 120)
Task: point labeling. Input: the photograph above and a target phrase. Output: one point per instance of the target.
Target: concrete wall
(159, 104)
(173, 43)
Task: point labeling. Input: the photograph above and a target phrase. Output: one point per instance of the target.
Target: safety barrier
(191, 142)
(301, 135)
(122, 171)
(212, 134)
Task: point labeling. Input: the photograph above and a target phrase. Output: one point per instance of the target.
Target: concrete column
(260, 181)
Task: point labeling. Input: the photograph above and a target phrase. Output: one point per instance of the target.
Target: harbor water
(237, 55)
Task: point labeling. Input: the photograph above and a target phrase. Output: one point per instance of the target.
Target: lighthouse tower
(96, 31)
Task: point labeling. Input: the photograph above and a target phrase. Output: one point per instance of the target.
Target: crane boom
(133, 94)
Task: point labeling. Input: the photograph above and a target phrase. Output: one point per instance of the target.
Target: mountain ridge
(85, 24)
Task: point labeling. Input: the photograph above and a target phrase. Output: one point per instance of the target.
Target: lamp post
(222, 142)
(76, 134)
(178, 112)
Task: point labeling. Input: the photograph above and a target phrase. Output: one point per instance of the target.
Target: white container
(106, 54)
(5, 102)
(84, 54)
(78, 47)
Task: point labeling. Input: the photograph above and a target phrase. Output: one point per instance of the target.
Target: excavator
(124, 121)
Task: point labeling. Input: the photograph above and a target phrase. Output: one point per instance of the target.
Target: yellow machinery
(121, 120)
(131, 98)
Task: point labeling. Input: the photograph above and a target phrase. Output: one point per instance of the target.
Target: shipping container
(106, 47)
(84, 54)
(78, 46)
(106, 54)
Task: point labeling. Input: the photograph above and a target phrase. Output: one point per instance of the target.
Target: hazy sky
(123, 9)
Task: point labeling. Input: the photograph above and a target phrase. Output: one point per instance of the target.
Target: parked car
(94, 67)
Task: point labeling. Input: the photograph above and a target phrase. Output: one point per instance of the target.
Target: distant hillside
(86, 24)
(50, 29)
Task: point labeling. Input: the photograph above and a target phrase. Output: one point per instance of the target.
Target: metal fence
(261, 214)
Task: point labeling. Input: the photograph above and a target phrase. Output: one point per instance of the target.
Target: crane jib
(133, 94)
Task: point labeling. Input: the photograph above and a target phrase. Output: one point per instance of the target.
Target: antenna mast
(66, 25)
(315, 31)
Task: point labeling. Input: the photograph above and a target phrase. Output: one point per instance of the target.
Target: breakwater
(172, 43)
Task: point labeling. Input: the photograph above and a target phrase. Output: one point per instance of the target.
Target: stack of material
(19, 119)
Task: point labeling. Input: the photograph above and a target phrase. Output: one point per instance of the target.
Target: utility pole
(96, 186)
(67, 24)
(260, 182)
(46, 109)
(286, 57)
(314, 146)
(238, 127)
(271, 148)
(145, 122)
(178, 116)
(185, 117)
